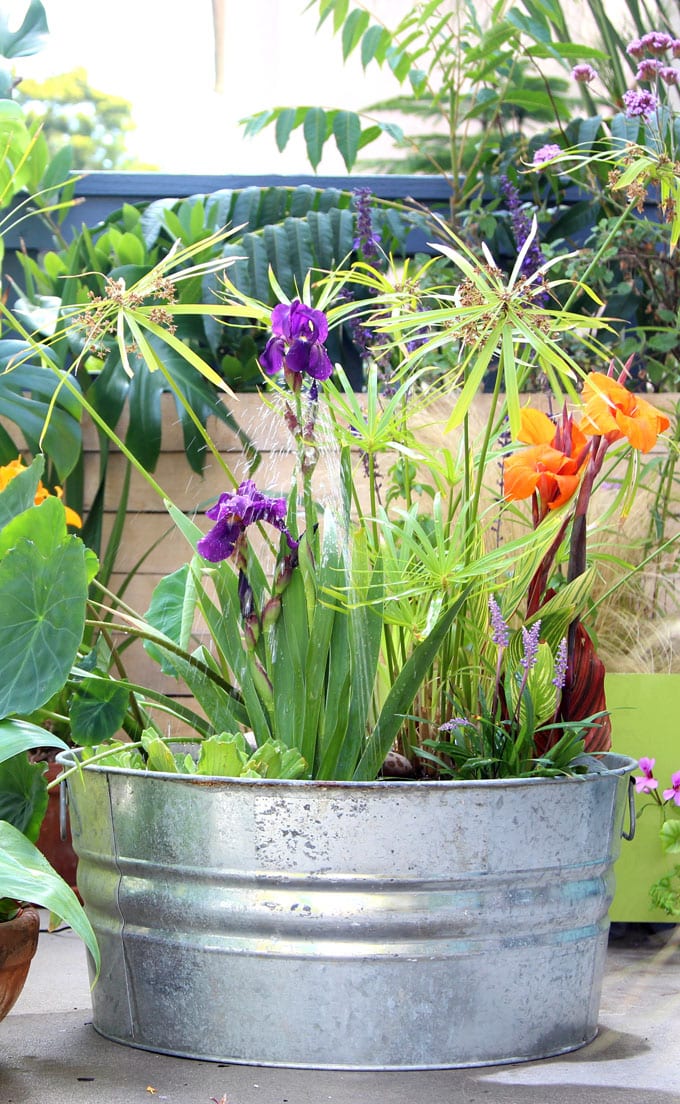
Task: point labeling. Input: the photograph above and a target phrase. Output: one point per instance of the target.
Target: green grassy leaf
(25, 875)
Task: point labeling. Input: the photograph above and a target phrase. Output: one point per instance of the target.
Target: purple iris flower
(297, 344)
(233, 512)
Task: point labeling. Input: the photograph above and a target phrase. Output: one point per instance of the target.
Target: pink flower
(635, 48)
(648, 782)
(641, 104)
(649, 69)
(584, 73)
(657, 42)
(546, 153)
(674, 793)
(669, 75)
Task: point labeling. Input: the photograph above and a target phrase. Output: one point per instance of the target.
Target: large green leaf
(26, 875)
(347, 132)
(19, 736)
(23, 795)
(43, 592)
(314, 129)
(167, 614)
(97, 711)
(29, 38)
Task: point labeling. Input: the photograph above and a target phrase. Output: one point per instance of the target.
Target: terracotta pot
(18, 944)
(59, 853)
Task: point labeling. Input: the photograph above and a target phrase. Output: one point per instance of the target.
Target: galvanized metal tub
(387, 925)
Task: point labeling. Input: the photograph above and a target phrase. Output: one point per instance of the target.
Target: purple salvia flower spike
(501, 632)
(530, 640)
(561, 657)
(522, 228)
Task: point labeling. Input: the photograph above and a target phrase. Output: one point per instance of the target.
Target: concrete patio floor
(50, 1052)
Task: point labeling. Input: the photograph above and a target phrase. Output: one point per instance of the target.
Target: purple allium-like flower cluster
(233, 512)
(297, 344)
(521, 228)
(669, 75)
(649, 69)
(501, 632)
(649, 53)
(655, 42)
(546, 153)
(584, 73)
(367, 240)
(640, 104)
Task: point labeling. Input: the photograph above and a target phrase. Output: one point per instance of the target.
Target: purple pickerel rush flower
(521, 228)
(297, 342)
(233, 512)
(367, 240)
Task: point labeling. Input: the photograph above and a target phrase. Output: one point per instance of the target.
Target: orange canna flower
(551, 466)
(9, 471)
(613, 412)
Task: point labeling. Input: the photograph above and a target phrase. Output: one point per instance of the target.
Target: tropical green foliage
(290, 231)
(44, 577)
(225, 755)
(479, 82)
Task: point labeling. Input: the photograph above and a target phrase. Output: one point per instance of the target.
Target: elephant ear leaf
(23, 795)
(43, 594)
